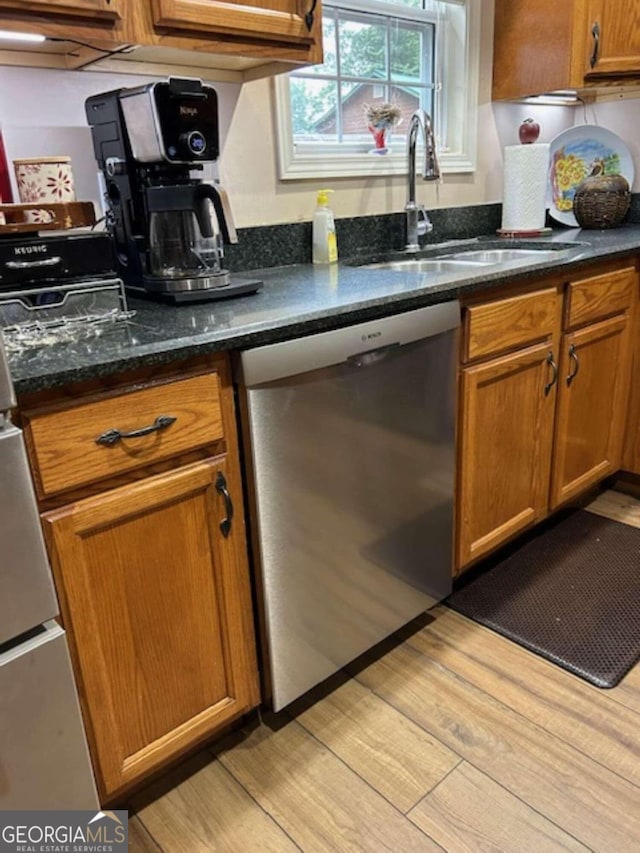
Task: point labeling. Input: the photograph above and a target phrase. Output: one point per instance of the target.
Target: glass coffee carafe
(188, 224)
(177, 248)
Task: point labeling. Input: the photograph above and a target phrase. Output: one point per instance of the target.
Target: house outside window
(411, 53)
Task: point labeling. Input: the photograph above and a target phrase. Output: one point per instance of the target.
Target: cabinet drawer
(65, 442)
(505, 324)
(599, 297)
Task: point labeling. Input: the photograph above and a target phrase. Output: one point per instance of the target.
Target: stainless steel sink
(450, 260)
(428, 265)
(502, 256)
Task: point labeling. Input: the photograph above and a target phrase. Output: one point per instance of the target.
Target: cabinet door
(532, 48)
(614, 37)
(156, 603)
(289, 21)
(104, 10)
(506, 432)
(593, 390)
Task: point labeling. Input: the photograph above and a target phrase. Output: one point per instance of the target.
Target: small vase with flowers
(381, 119)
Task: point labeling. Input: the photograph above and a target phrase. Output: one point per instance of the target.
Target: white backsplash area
(620, 115)
(42, 114)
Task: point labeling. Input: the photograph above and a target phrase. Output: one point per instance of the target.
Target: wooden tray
(72, 214)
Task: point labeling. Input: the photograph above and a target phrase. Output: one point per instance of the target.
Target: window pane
(394, 51)
(329, 66)
(410, 53)
(394, 59)
(407, 98)
(313, 109)
(363, 46)
(354, 122)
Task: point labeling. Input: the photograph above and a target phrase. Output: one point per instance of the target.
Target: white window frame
(336, 161)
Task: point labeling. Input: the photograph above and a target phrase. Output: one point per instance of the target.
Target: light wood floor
(456, 739)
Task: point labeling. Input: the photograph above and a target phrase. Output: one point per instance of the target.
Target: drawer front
(599, 297)
(505, 324)
(66, 447)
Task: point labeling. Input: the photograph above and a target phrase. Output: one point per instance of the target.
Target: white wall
(248, 164)
(42, 110)
(42, 113)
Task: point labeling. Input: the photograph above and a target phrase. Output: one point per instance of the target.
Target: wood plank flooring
(456, 739)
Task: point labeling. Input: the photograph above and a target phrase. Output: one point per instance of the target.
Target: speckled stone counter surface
(296, 300)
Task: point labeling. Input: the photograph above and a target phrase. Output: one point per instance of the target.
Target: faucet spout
(418, 222)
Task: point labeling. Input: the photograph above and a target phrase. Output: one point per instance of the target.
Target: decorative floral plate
(572, 155)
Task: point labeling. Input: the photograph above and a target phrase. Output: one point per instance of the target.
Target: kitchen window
(412, 53)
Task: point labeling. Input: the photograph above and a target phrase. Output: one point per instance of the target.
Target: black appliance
(149, 141)
(32, 259)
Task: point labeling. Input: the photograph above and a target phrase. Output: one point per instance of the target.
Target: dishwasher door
(350, 438)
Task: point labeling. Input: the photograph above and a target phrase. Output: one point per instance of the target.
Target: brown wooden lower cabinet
(592, 406)
(157, 607)
(506, 433)
(526, 448)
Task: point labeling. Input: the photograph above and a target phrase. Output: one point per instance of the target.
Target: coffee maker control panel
(196, 142)
(174, 121)
(188, 122)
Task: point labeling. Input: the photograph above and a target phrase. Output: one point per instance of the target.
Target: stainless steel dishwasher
(349, 442)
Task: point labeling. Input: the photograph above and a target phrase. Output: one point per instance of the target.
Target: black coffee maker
(168, 226)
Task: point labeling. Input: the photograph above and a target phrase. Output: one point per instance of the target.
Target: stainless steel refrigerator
(44, 760)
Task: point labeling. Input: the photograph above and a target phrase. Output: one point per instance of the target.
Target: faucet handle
(425, 225)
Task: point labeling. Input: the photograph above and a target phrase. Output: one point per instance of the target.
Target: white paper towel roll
(525, 186)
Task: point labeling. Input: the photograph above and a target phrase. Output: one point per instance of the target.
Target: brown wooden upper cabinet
(545, 46)
(248, 39)
(286, 21)
(615, 34)
(75, 25)
(102, 10)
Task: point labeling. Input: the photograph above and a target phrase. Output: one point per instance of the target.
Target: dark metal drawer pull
(573, 355)
(221, 488)
(113, 436)
(554, 378)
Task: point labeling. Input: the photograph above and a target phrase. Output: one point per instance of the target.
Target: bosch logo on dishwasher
(371, 336)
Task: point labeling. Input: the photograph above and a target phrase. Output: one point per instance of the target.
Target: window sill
(363, 164)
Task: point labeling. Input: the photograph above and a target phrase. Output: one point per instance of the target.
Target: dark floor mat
(571, 594)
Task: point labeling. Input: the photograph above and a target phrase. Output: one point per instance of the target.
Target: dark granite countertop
(296, 300)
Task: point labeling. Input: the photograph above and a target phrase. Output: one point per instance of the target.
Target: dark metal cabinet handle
(595, 32)
(221, 488)
(574, 356)
(308, 18)
(113, 436)
(554, 378)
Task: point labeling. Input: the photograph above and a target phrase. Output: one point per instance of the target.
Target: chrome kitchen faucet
(418, 222)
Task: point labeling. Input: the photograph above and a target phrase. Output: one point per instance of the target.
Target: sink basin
(449, 260)
(502, 256)
(428, 265)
